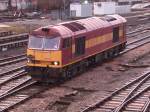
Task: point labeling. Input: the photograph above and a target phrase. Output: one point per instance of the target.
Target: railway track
(11, 74)
(5, 33)
(11, 82)
(12, 59)
(140, 19)
(9, 38)
(133, 97)
(16, 95)
(136, 43)
(138, 31)
(17, 79)
(13, 41)
(16, 87)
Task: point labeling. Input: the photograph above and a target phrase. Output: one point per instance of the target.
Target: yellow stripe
(73, 48)
(42, 64)
(120, 33)
(92, 54)
(97, 40)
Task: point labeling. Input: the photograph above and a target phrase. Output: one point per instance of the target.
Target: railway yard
(121, 84)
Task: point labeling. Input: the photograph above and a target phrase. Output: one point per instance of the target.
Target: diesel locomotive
(66, 49)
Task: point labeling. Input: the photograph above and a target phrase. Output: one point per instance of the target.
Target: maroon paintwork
(94, 27)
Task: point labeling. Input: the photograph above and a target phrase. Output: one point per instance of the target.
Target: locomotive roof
(76, 27)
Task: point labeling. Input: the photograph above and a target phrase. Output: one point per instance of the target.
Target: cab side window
(79, 46)
(66, 42)
(116, 34)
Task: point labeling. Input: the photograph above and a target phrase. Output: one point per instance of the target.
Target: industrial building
(31, 4)
(74, 8)
(101, 7)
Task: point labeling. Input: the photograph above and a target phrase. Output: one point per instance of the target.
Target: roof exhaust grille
(108, 18)
(74, 26)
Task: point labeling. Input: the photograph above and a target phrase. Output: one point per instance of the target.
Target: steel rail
(137, 30)
(133, 98)
(13, 43)
(135, 44)
(129, 96)
(147, 105)
(7, 77)
(18, 59)
(5, 33)
(23, 35)
(12, 84)
(12, 70)
(138, 33)
(132, 92)
(12, 81)
(13, 98)
(12, 57)
(106, 99)
(138, 40)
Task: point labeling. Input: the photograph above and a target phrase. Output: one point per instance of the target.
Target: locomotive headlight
(56, 63)
(29, 58)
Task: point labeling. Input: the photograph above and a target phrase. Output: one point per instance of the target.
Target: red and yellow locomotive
(65, 49)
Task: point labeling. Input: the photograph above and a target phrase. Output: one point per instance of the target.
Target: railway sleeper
(108, 107)
(134, 107)
(7, 40)
(102, 110)
(141, 104)
(10, 46)
(5, 33)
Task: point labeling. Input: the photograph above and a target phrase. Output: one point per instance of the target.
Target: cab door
(66, 50)
(80, 46)
(115, 34)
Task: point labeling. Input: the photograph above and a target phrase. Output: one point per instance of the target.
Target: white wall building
(81, 10)
(3, 5)
(130, 1)
(101, 8)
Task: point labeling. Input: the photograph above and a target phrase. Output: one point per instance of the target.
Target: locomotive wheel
(73, 70)
(116, 51)
(110, 54)
(106, 55)
(66, 74)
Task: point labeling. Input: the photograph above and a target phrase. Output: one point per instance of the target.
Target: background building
(81, 10)
(3, 5)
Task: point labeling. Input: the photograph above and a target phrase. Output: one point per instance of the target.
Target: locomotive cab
(44, 49)
(44, 54)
